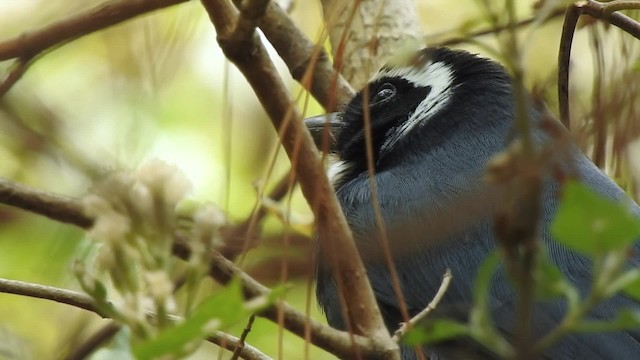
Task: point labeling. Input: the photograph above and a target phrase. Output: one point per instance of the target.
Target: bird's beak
(323, 129)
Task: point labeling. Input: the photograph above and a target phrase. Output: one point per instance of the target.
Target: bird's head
(414, 104)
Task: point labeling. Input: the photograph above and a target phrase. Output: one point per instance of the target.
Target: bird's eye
(384, 92)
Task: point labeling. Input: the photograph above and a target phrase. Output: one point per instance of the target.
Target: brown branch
(18, 68)
(251, 58)
(62, 296)
(29, 44)
(250, 13)
(602, 11)
(564, 58)
(309, 64)
(94, 341)
(301, 56)
(60, 208)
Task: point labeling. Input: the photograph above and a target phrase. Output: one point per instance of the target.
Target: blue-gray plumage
(435, 123)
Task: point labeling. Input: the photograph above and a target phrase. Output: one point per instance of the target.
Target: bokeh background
(159, 87)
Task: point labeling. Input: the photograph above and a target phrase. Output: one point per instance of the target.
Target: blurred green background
(159, 87)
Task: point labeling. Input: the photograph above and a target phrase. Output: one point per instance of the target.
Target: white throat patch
(436, 75)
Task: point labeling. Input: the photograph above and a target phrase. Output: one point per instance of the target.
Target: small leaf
(625, 320)
(483, 281)
(633, 288)
(436, 331)
(550, 282)
(592, 224)
(480, 324)
(221, 309)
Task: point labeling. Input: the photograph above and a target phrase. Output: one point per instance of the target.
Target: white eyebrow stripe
(431, 74)
(438, 76)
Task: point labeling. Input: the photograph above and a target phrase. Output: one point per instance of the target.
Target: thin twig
(232, 343)
(18, 68)
(491, 30)
(243, 338)
(404, 327)
(94, 341)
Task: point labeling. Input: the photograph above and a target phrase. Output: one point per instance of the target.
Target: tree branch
(18, 68)
(29, 44)
(93, 342)
(303, 56)
(62, 296)
(251, 58)
(603, 11)
(488, 31)
(56, 207)
(85, 302)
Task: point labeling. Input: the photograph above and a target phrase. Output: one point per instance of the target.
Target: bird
(436, 120)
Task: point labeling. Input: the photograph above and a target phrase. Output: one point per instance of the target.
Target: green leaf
(480, 324)
(633, 287)
(435, 331)
(483, 281)
(625, 320)
(592, 224)
(550, 282)
(221, 309)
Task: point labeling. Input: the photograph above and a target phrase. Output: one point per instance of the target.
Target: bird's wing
(420, 273)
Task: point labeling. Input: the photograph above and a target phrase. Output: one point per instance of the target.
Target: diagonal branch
(251, 58)
(29, 44)
(17, 69)
(444, 285)
(303, 56)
